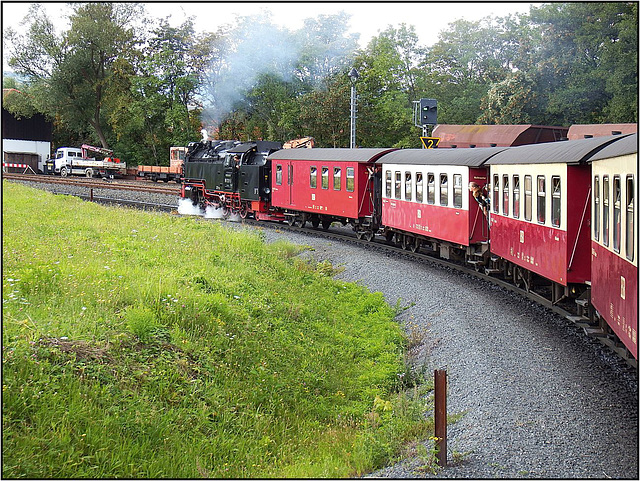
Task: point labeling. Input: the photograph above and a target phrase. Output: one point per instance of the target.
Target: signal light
(429, 111)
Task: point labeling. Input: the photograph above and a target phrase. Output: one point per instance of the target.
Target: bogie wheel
(415, 246)
(64, 172)
(369, 235)
(88, 173)
(291, 220)
(243, 212)
(326, 223)
(360, 234)
(406, 242)
(389, 236)
(315, 222)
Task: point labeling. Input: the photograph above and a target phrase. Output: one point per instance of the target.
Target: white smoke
(186, 207)
(257, 47)
(213, 212)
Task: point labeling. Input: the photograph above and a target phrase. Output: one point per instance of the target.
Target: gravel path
(538, 398)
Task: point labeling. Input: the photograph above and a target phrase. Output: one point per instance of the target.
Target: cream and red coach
(614, 238)
(326, 185)
(541, 211)
(426, 200)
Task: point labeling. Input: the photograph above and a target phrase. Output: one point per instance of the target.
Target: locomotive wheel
(243, 212)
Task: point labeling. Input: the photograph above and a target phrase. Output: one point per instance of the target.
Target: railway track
(90, 183)
(423, 256)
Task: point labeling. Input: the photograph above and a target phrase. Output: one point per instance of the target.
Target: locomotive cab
(250, 177)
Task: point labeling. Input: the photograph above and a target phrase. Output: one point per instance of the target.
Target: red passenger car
(426, 199)
(326, 185)
(614, 239)
(540, 212)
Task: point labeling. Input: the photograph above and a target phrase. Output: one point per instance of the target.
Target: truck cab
(63, 160)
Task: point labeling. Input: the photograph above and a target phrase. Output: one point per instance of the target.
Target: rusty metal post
(440, 386)
(91, 194)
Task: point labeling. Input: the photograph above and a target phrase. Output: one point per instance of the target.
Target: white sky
(367, 18)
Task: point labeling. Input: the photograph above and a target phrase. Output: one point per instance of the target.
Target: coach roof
(329, 155)
(563, 152)
(469, 157)
(626, 145)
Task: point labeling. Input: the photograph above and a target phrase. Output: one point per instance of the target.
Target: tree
(157, 103)
(69, 76)
(586, 62)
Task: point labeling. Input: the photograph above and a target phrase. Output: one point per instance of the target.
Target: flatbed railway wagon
(614, 239)
(321, 186)
(165, 173)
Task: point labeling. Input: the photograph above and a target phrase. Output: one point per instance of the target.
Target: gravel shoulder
(538, 399)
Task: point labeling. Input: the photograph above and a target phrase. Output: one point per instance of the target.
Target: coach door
(284, 181)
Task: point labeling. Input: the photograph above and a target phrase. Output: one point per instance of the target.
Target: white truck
(71, 160)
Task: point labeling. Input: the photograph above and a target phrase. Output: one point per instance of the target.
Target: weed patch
(146, 345)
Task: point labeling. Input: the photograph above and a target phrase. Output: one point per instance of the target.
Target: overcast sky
(367, 18)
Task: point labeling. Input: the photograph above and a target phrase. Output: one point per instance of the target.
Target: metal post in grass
(440, 387)
(91, 194)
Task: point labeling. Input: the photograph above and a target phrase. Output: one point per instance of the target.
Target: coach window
(629, 244)
(616, 213)
(555, 201)
(313, 177)
(351, 179)
(505, 195)
(431, 188)
(388, 183)
(605, 210)
(398, 191)
(444, 189)
(419, 187)
(516, 196)
(407, 186)
(278, 175)
(457, 190)
(542, 199)
(325, 177)
(596, 208)
(337, 178)
(496, 193)
(527, 198)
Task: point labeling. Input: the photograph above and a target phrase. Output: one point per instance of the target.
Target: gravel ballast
(537, 398)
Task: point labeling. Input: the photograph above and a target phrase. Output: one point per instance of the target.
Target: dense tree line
(121, 79)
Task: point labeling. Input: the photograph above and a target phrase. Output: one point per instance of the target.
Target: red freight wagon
(585, 131)
(326, 185)
(614, 238)
(426, 197)
(469, 136)
(540, 211)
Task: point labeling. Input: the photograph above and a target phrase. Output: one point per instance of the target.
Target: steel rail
(93, 184)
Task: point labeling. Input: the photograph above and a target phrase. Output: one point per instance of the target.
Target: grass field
(148, 345)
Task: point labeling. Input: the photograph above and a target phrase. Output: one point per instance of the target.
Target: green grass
(147, 345)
